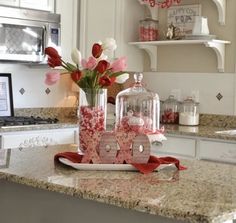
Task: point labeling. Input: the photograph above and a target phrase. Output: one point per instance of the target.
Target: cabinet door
(129, 13)
(176, 146)
(97, 22)
(47, 5)
(30, 139)
(69, 26)
(10, 2)
(217, 151)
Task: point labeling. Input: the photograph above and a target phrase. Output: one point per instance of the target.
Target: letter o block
(141, 149)
(108, 148)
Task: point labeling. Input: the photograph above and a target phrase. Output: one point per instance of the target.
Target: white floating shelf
(151, 48)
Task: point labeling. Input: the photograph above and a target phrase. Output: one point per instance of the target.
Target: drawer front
(31, 139)
(177, 146)
(218, 151)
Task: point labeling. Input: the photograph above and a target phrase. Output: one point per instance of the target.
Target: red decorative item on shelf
(148, 30)
(160, 4)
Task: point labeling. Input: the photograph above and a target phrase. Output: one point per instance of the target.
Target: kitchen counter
(60, 125)
(205, 192)
(199, 131)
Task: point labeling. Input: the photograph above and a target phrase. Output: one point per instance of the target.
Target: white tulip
(122, 78)
(103, 57)
(109, 44)
(76, 56)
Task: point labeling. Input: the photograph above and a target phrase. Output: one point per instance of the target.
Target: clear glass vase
(92, 114)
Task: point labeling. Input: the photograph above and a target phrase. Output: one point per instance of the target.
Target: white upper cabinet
(111, 18)
(128, 15)
(46, 5)
(97, 22)
(10, 2)
(69, 26)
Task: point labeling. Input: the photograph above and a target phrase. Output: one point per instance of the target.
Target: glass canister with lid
(189, 112)
(137, 109)
(148, 30)
(170, 111)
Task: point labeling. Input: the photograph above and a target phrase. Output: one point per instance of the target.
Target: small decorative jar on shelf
(170, 111)
(137, 109)
(189, 112)
(148, 30)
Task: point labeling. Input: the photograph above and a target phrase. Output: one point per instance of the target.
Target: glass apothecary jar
(137, 109)
(189, 112)
(170, 111)
(148, 30)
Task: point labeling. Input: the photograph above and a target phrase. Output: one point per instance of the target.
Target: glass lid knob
(138, 78)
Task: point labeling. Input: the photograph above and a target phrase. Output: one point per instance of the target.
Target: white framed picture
(6, 99)
(183, 16)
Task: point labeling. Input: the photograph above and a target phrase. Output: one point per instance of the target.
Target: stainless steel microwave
(24, 34)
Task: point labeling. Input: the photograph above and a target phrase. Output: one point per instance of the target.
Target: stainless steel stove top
(22, 120)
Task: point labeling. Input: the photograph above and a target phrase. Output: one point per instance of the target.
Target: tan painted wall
(198, 58)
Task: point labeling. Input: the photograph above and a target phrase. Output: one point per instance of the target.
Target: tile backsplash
(216, 91)
(30, 91)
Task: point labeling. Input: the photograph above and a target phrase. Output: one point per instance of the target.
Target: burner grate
(21, 120)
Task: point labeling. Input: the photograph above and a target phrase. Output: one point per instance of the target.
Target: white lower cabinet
(29, 139)
(198, 148)
(217, 151)
(179, 146)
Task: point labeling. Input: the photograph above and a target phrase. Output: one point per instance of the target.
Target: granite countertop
(68, 123)
(205, 192)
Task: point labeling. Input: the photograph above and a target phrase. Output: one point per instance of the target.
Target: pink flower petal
(52, 77)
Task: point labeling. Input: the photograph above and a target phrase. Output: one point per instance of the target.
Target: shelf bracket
(221, 6)
(152, 53)
(219, 49)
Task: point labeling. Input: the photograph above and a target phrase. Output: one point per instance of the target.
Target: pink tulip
(119, 65)
(90, 64)
(52, 77)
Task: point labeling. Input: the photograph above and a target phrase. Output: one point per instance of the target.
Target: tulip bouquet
(94, 73)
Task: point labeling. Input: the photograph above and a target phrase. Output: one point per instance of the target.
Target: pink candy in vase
(91, 120)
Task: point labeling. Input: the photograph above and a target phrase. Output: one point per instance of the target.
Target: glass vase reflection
(137, 109)
(92, 114)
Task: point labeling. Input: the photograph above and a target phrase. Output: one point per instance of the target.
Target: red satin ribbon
(146, 168)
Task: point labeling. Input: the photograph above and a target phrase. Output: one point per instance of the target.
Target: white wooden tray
(113, 167)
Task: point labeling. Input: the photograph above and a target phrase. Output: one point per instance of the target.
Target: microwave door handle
(44, 45)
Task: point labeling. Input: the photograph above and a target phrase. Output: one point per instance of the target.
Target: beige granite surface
(209, 123)
(205, 192)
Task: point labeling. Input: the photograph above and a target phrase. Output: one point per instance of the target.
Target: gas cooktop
(22, 120)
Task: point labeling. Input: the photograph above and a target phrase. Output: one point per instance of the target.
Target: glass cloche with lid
(137, 109)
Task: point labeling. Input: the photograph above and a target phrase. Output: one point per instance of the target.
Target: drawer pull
(37, 141)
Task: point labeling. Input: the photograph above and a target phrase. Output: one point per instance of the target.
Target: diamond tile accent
(219, 96)
(47, 91)
(22, 91)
